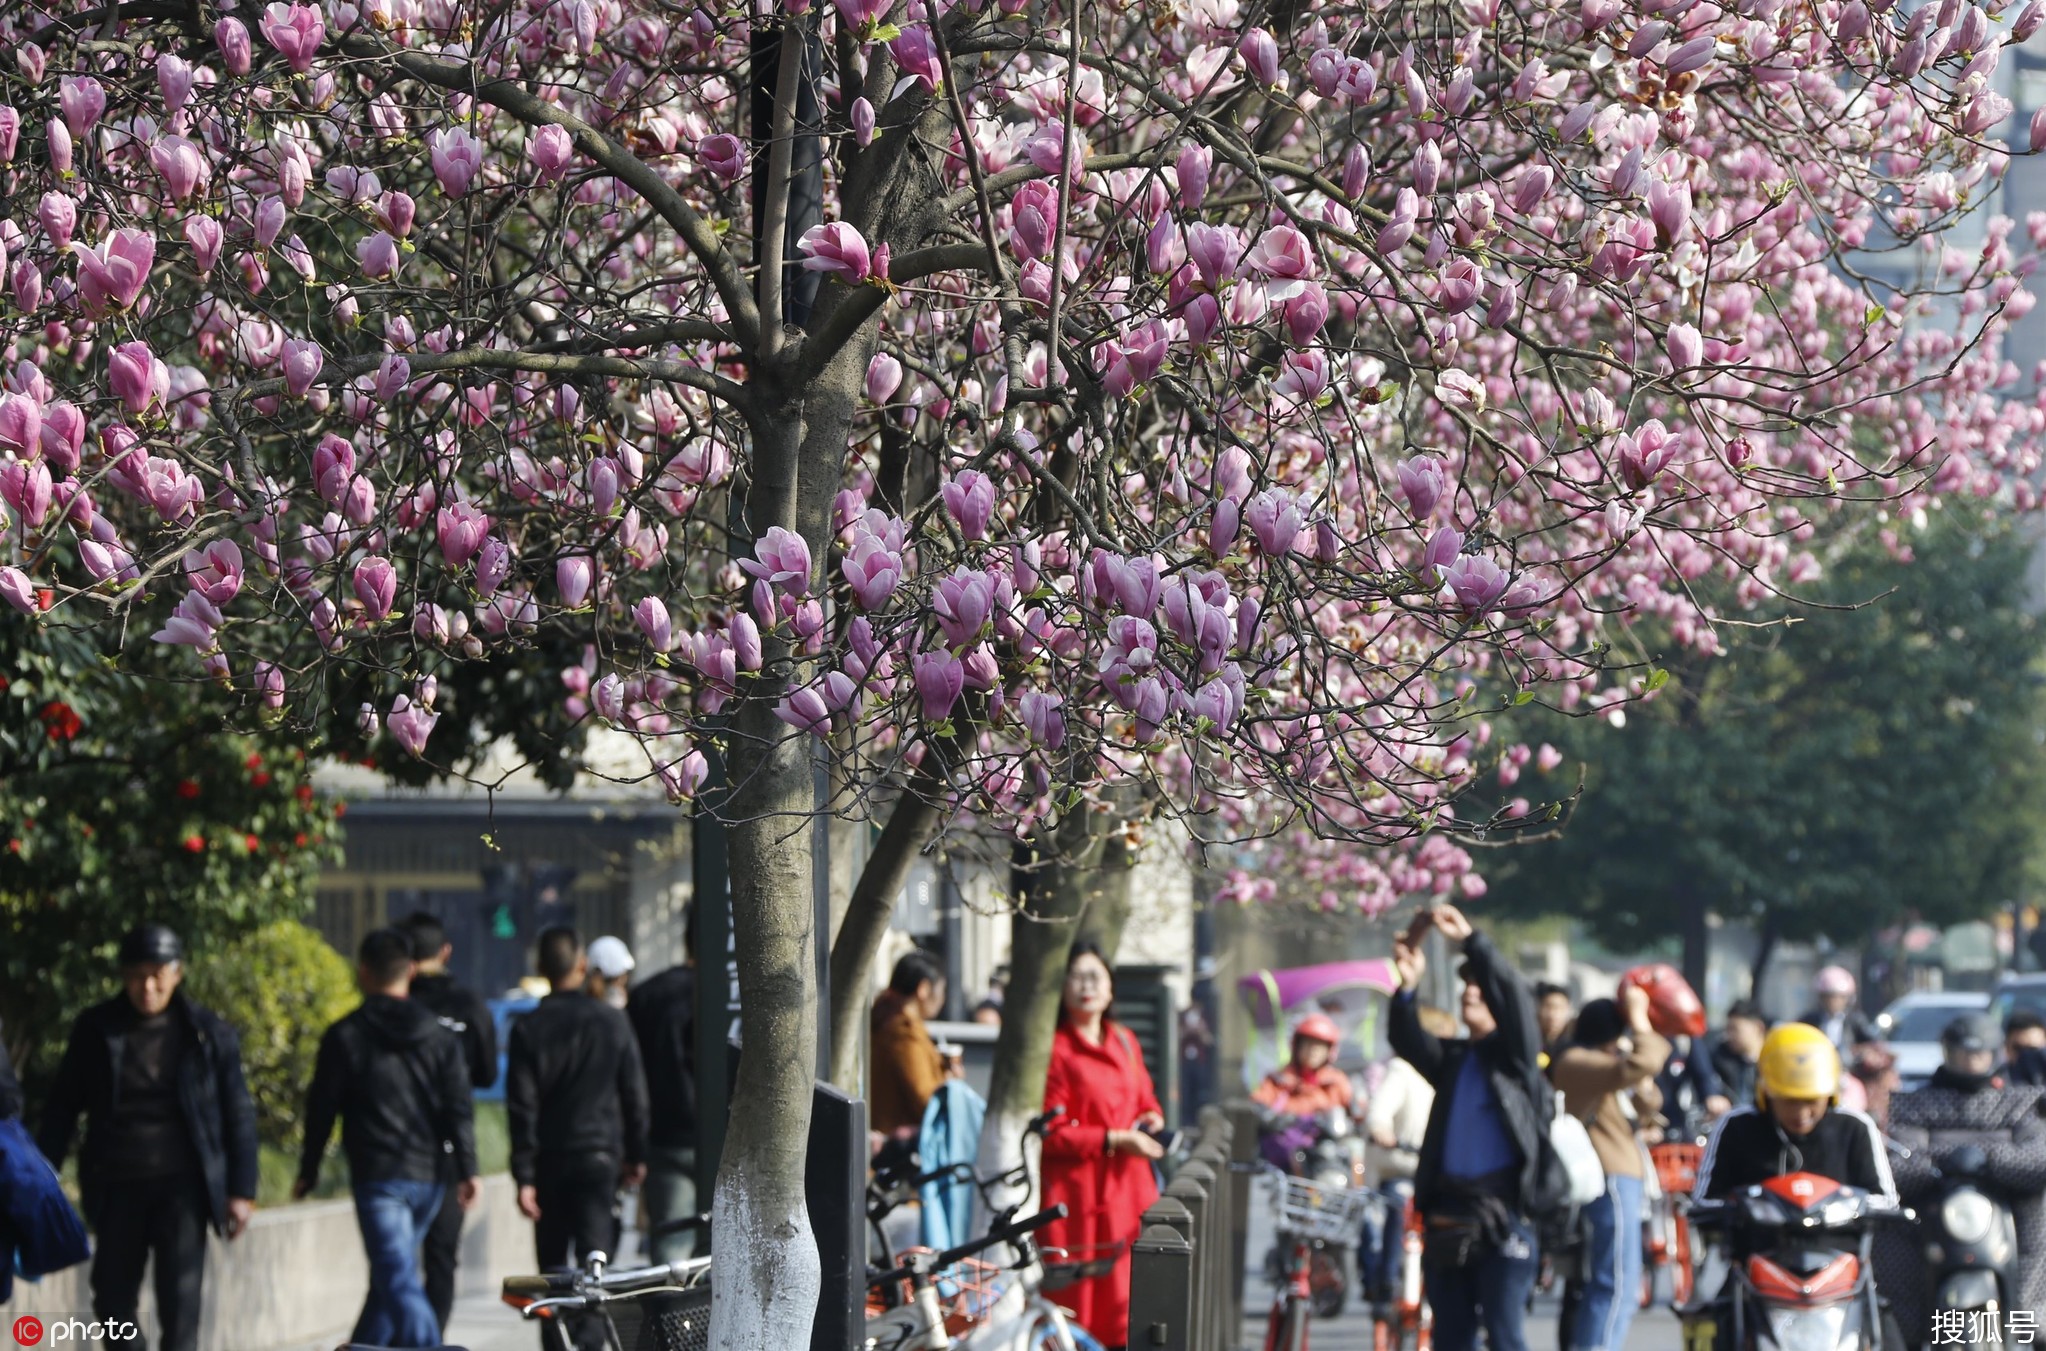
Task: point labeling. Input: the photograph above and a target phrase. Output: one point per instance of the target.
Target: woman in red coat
(1097, 1157)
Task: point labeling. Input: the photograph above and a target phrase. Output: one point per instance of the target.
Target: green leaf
(1656, 680)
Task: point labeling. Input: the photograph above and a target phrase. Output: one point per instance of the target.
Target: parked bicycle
(1317, 1237)
(656, 1308)
(1401, 1319)
(1666, 1228)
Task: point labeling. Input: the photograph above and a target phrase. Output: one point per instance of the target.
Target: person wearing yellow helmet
(1796, 1124)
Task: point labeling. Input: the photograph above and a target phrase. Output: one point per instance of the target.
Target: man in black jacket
(462, 1012)
(170, 1137)
(663, 1015)
(1485, 1169)
(576, 1098)
(397, 1080)
(1736, 1050)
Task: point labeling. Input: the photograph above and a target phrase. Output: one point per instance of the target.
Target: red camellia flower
(255, 760)
(195, 844)
(60, 721)
(261, 778)
(188, 789)
(304, 793)
(251, 843)
(299, 839)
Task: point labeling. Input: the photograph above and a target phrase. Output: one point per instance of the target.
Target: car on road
(2014, 992)
(1911, 1026)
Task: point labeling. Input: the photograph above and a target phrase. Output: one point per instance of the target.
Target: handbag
(1572, 1143)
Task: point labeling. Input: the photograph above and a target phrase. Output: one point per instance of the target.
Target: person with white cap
(611, 967)
(1837, 1015)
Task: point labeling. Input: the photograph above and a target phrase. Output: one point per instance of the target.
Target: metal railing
(1187, 1264)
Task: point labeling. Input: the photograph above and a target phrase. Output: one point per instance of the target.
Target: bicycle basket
(1328, 1214)
(662, 1320)
(1676, 1166)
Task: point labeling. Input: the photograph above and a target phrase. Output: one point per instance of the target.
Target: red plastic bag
(1674, 1008)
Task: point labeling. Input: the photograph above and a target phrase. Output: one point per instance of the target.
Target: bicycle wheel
(1683, 1276)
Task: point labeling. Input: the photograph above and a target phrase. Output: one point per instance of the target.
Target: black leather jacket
(1511, 1057)
(397, 1079)
(219, 1117)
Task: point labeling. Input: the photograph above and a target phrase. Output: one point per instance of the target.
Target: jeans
(1612, 1268)
(1490, 1293)
(442, 1254)
(1379, 1254)
(164, 1217)
(394, 1216)
(670, 1194)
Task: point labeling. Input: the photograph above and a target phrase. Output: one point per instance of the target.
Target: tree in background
(1828, 776)
(124, 797)
(1022, 404)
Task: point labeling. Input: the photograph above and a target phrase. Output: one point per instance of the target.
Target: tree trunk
(1067, 894)
(1765, 948)
(1697, 935)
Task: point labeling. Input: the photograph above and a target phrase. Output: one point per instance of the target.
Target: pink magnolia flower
(806, 711)
(1423, 481)
(1216, 251)
(884, 377)
(1686, 347)
(862, 119)
(410, 724)
(1283, 257)
(963, 603)
(873, 570)
(181, 164)
(58, 137)
(167, 487)
(1274, 520)
(215, 572)
(268, 682)
(940, 679)
(83, 101)
(1400, 224)
(205, 236)
(58, 215)
(573, 577)
(1477, 583)
(136, 377)
(457, 158)
(685, 777)
(111, 277)
(174, 79)
(296, 31)
(17, 590)
(970, 501)
(651, 614)
(375, 583)
(1644, 454)
(1306, 313)
(10, 132)
(1695, 55)
(194, 624)
(1303, 376)
(917, 54)
(781, 558)
(1260, 52)
(551, 149)
(1033, 218)
(25, 485)
(837, 249)
(302, 360)
(1460, 389)
(745, 640)
(62, 435)
(462, 529)
(21, 424)
(723, 156)
(379, 255)
(1444, 546)
(1531, 188)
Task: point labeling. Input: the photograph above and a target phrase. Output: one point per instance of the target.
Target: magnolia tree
(1012, 403)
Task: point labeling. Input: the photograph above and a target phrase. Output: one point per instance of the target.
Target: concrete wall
(296, 1278)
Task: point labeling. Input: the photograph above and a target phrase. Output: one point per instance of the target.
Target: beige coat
(1592, 1082)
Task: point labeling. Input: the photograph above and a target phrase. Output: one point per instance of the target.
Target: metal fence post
(1195, 1185)
(1242, 1168)
(1162, 1281)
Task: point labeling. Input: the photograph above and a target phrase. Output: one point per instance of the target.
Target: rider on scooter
(1968, 1103)
(1293, 1098)
(1798, 1126)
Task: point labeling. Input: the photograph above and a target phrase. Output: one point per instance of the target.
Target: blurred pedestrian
(462, 1012)
(1480, 1177)
(1553, 1010)
(398, 1081)
(1737, 1049)
(1608, 1080)
(663, 1017)
(1098, 1152)
(576, 1097)
(170, 1136)
(1395, 1124)
(611, 965)
(1293, 1097)
(1837, 1015)
(1692, 1096)
(39, 1231)
(988, 1012)
(904, 1067)
(2024, 1048)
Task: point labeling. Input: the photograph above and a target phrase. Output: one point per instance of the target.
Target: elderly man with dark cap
(1968, 1101)
(170, 1137)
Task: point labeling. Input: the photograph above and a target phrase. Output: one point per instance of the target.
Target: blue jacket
(951, 1134)
(39, 1231)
